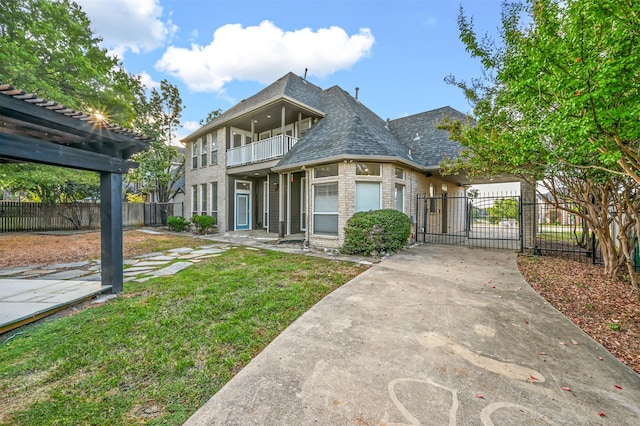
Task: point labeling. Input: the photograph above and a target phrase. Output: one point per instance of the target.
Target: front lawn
(161, 349)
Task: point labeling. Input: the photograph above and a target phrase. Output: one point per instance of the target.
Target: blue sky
(220, 52)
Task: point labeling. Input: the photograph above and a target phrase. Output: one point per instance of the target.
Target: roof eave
(346, 158)
(215, 123)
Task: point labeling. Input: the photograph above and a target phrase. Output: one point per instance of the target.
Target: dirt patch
(28, 249)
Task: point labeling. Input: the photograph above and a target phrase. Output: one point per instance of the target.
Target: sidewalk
(432, 335)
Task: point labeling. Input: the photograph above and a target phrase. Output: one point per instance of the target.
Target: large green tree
(558, 103)
(47, 48)
(162, 165)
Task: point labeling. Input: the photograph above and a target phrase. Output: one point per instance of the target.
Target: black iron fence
(507, 222)
(558, 232)
(490, 221)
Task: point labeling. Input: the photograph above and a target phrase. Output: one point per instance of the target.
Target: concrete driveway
(433, 335)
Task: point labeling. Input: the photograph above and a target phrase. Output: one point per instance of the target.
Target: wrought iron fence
(558, 232)
(490, 221)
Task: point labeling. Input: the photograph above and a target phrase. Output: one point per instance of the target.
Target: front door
(243, 205)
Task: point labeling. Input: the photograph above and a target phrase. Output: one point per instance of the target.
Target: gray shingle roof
(349, 129)
(289, 85)
(419, 133)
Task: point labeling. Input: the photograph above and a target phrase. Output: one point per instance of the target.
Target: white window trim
(337, 213)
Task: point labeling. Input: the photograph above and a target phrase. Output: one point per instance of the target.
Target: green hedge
(177, 223)
(203, 223)
(376, 232)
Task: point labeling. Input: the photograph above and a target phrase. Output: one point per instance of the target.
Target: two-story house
(295, 158)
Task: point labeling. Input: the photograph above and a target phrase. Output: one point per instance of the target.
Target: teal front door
(243, 212)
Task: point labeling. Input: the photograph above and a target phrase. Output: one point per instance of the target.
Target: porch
(264, 150)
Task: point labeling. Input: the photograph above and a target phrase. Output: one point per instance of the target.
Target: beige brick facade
(414, 182)
(207, 175)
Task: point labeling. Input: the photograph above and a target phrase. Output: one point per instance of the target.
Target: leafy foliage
(203, 223)
(162, 165)
(504, 208)
(177, 223)
(47, 48)
(379, 231)
(49, 184)
(557, 104)
(212, 114)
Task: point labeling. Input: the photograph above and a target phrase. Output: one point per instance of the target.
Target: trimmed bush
(376, 232)
(177, 223)
(203, 223)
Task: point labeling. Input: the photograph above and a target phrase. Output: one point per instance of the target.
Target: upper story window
(194, 156)
(368, 169)
(213, 139)
(327, 170)
(305, 125)
(204, 151)
(399, 173)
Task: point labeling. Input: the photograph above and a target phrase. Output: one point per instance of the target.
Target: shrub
(203, 223)
(376, 232)
(177, 223)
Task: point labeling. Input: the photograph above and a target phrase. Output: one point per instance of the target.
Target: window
(432, 198)
(264, 135)
(194, 157)
(325, 209)
(399, 173)
(204, 206)
(194, 199)
(205, 151)
(305, 125)
(326, 171)
(367, 169)
(214, 200)
(400, 198)
(367, 196)
(213, 138)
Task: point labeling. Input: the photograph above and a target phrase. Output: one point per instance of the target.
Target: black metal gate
(488, 221)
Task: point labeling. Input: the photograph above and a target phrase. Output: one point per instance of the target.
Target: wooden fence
(19, 216)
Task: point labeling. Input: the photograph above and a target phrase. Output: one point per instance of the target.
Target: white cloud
(148, 81)
(135, 25)
(263, 53)
(191, 125)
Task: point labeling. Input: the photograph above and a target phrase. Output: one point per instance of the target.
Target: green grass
(159, 351)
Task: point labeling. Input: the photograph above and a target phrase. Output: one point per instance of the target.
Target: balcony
(264, 150)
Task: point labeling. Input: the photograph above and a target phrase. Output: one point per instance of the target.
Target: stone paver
(171, 269)
(66, 275)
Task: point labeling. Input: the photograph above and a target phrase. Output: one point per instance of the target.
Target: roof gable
(349, 129)
(289, 86)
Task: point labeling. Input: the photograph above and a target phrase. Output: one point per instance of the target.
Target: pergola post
(111, 230)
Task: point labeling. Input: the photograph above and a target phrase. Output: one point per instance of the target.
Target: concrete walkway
(434, 335)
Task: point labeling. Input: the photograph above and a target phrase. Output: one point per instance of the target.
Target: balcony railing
(264, 150)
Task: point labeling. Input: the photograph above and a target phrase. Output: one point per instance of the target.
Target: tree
(212, 114)
(503, 209)
(48, 184)
(557, 103)
(47, 48)
(162, 165)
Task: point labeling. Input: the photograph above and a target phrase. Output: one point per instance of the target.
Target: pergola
(35, 130)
